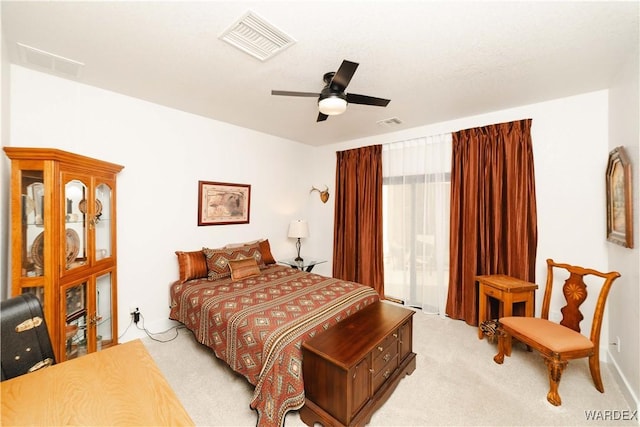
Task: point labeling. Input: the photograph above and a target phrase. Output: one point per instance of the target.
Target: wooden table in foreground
(508, 291)
(118, 386)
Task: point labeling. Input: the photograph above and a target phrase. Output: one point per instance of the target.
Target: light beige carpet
(456, 383)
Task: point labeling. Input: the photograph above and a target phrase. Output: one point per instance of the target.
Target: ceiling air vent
(49, 61)
(393, 121)
(255, 36)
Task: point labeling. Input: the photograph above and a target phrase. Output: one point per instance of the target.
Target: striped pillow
(243, 268)
(191, 265)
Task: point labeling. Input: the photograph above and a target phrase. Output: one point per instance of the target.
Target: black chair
(25, 346)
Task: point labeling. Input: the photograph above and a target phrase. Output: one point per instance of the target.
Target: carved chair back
(575, 293)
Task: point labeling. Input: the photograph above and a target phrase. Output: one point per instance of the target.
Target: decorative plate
(83, 206)
(37, 250)
(72, 248)
(73, 245)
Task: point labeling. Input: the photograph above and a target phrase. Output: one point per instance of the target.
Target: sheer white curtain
(416, 199)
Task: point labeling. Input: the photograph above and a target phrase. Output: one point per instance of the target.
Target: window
(416, 200)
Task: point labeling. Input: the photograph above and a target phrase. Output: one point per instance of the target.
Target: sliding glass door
(416, 200)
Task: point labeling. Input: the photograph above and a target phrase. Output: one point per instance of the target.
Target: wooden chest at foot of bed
(351, 369)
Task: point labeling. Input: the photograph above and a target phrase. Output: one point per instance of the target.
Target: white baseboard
(625, 387)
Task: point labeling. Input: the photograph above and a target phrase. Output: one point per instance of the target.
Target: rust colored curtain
(357, 238)
(493, 211)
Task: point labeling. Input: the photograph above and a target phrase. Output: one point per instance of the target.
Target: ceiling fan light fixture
(332, 105)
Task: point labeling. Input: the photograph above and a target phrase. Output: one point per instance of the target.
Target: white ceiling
(435, 60)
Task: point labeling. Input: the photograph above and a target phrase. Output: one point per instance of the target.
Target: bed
(254, 314)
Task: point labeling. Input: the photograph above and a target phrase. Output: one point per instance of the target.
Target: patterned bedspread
(257, 326)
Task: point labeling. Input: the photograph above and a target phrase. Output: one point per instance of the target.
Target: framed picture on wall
(223, 203)
(619, 199)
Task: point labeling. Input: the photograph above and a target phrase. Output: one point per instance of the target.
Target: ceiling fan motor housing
(327, 92)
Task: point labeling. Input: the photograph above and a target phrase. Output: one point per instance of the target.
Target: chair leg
(555, 368)
(594, 367)
(502, 339)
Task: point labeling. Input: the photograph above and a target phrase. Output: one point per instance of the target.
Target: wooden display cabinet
(63, 244)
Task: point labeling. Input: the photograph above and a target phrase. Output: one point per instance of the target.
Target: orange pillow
(265, 249)
(192, 265)
(243, 268)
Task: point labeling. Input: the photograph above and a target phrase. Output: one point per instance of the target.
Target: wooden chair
(558, 343)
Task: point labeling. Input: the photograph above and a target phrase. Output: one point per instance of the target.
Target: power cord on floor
(150, 334)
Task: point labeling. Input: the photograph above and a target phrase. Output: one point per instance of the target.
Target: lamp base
(298, 244)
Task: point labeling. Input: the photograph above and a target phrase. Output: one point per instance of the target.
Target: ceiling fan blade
(289, 93)
(321, 117)
(343, 76)
(354, 98)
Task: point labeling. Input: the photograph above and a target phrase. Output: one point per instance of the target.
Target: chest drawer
(391, 339)
(493, 292)
(379, 377)
(382, 356)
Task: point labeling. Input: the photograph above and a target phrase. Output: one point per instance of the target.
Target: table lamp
(298, 229)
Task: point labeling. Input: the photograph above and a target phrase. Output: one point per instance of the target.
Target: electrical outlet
(135, 314)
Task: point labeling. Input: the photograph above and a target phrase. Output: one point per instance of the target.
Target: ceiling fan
(332, 100)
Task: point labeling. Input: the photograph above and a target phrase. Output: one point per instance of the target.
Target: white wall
(165, 153)
(624, 115)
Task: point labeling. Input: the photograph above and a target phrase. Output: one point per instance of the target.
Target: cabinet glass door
(75, 224)
(102, 223)
(33, 235)
(76, 324)
(104, 315)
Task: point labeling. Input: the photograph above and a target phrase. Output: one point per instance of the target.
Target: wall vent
(49, 61)
(255, 36)
(393, 121)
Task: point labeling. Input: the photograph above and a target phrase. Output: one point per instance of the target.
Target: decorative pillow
(265, 249)
(218, 259)
(243, 268)
(192, 265)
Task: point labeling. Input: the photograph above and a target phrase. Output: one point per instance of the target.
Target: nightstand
(305, 265)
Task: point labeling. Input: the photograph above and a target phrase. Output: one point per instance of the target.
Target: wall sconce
(324, 195)
(297, 230)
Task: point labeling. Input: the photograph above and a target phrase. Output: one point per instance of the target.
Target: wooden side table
(508, 291)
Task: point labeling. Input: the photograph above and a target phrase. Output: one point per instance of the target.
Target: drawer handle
(395, 335)
(380, 349)
(386, 357)
(386, 373)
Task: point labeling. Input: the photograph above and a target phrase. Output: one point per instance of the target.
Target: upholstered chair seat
(553, 336)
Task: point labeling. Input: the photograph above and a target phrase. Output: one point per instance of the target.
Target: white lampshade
(298, 229)
(332, 105)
